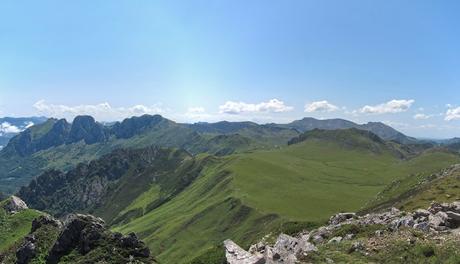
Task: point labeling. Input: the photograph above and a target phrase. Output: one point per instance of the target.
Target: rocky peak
(87, 129)
(135, 125)
(14, 204)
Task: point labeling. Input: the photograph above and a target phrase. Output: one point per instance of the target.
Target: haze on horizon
(263, 61)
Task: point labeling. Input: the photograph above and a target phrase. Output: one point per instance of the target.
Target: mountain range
(59, 144)
(185, 188)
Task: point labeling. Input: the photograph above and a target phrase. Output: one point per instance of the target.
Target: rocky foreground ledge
(363, 236)
(77, 238)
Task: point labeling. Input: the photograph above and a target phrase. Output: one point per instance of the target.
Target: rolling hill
(240, 196)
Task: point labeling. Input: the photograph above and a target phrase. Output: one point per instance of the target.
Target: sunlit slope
(14, 226)
(241, 195)
(421, 183)
(314, 179)
(202, 216)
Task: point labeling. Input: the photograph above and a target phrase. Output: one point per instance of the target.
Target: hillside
(194, 203)
(307, 182)
(113, 182)
(420, 190)
(57, 144)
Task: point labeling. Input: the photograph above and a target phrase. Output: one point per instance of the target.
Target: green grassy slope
(243, 196)
(422, 183)
(13, 227)
(201, 217)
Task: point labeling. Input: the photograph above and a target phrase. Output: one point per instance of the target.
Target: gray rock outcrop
(438, 218)
(14, 204)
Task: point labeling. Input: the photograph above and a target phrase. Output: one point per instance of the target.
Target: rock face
(87, 129)
(44, 220)
(85, 233)
(438, 218)
(27, 251)
(14, 204)
(28, 142)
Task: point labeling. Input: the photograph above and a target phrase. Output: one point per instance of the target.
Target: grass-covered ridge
(244, 196)
(14, 226)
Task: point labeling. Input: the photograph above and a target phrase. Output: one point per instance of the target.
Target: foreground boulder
(86, 233)
(14, 204)
(78, 238)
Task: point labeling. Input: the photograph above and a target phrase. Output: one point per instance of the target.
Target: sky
(392, 61)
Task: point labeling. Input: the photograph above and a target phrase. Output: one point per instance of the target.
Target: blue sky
(265, 61)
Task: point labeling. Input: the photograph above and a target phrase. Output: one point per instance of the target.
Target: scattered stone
(423, 226)
(356, 246)
(237, 255)
(337, 239)
(438, 218)
(421, 213)
(340, 217)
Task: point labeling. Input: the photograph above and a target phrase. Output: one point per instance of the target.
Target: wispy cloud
(390, 107)
(422, 116)
(102, 111)
(6, 128)
(452, 114)
(272, 106)
(320, 106)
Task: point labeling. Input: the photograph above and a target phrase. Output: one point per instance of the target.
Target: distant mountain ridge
(380, 129)
(61, 145)
(11, 126)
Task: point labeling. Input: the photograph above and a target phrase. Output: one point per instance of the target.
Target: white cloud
(422, 116)
(272, 106)
(6, 127)
(320, 106)
(102, 112)
(452, 114)
(393, 106)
